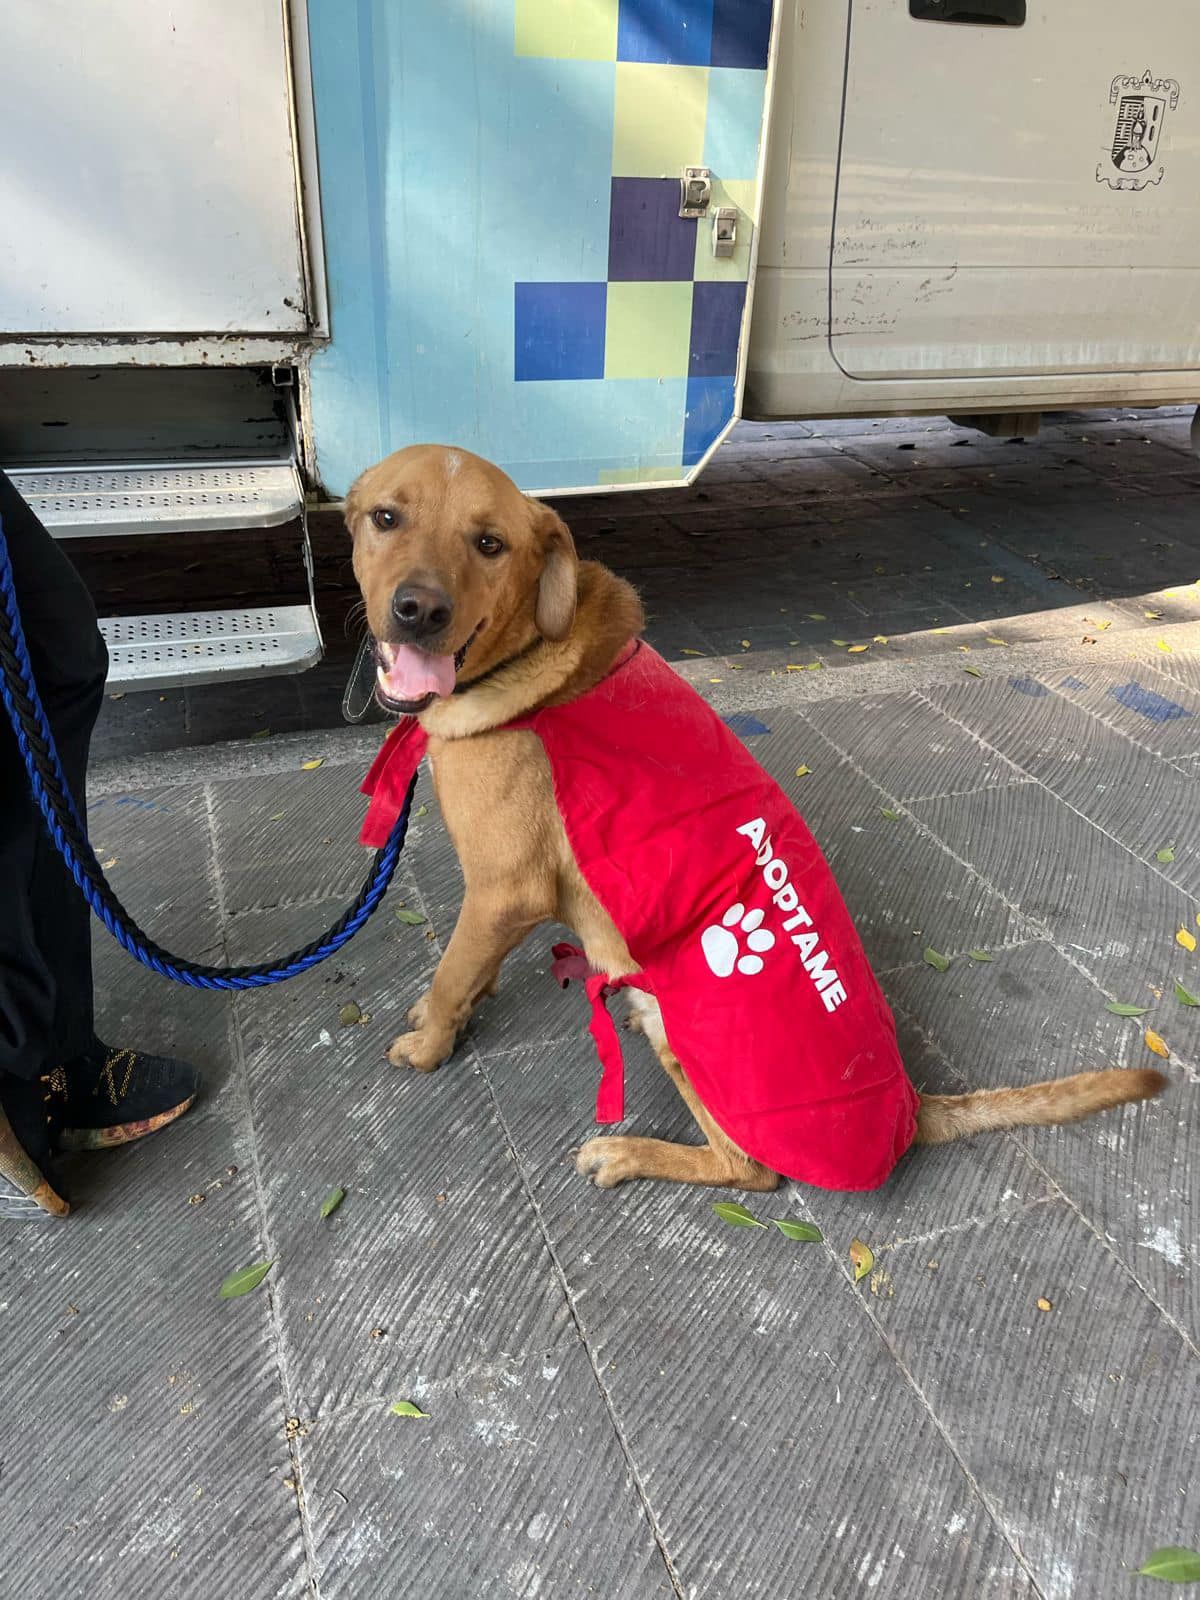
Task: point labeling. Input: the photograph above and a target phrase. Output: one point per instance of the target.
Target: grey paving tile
(515, 1486)
(746, 1385)
(435, 1246)
(150, 1414)
(1026, 1017)
(1130, 793)
(290, 837)
(1142, 706)
(1115, 914)
(1048, 1409)
(908, 748)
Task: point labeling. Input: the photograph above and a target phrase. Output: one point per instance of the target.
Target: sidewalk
(627, 1397)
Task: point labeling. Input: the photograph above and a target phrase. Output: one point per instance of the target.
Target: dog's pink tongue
(412, 674)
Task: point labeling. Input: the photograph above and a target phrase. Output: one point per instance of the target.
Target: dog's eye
(384, 519)
(488, 545)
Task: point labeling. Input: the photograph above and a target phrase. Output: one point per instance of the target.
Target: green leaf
(973, 671)
(980, 955)
(935, 959)
(892, 816)
(332, 1201)
(862, 1259)
(1173, 1564)
(244, 1279)
(1184, 996)
(405, 1408)
(840, 642)
(350, 1014)
(420, 811)
(799, 1230)
(733, 1211)
(1167, 853)
(1120, 1009)
(411, 918)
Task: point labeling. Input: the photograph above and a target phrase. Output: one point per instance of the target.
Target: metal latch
(724, 230)
(695, 191)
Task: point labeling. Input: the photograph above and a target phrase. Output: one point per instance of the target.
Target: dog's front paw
(422, 1049)
(418, 1012)
(605, 1161)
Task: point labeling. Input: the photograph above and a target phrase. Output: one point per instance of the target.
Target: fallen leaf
(861, 1259)
(1161, 644)
(420, 811)
(1167, 853)
(996, 578)
(350, 1014)
(803, 772)
(815, 666)
(892, 816)
(980, 955)
(278, 817)
(332, 1201)
(109, 864)
(1184, 996)
(941, 630)
(990, 640)
(841, 643)
(691, 652)
(1120, 1009)
(974, 672)
(804, 1231)
(412, 918)
(244, 1279)
(1186, 938)
(745, 644)
(1152, 616)
(880, 638)
(405, 1408)
(733, 1211)
(263, 733)
(817, 616)
(935, 959)
(311, 766)
(1156, 1043)
(857, 649)
(1173, 1563)
(1044, 1304)
(795, 666)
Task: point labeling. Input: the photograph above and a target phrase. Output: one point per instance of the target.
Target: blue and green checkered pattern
(687, 91)
(508, 269)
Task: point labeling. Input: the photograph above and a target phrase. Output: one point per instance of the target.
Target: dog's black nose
(422, 611)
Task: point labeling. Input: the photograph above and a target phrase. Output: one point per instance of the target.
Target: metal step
(209, 646)
(76, 502)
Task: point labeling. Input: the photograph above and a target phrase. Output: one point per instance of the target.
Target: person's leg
(45, 934)
(60, 1088)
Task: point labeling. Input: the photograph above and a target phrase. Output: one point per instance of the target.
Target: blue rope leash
(35, 740)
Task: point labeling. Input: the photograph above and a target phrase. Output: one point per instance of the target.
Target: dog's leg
(468, 970)
(612, 1160)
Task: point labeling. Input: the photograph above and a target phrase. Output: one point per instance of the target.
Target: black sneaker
(110, 1097)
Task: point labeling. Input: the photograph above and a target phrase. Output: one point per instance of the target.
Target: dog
(483, 614)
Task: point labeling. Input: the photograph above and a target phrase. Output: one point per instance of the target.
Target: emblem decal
(1142, 105)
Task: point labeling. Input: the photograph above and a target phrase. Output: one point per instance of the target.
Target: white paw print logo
(723, 949)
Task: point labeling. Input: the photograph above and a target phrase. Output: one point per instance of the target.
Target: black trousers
(45, 937)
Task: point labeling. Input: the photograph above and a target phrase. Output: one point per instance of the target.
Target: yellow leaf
(880, 638)
(1156, 1043)
(802, 772)
(716, 680)
(817, 616)
(1152, 616)
(794, 666)
(997, 641)
(311, 766)
(745, 644)
(996, 578)
(686, 652)
(1044, 1304)
(857, 649)
(941, 630)
(861, 1258)
(1186, 938)
(1161, 644)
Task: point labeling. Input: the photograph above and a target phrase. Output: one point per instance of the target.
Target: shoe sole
(121, 1132)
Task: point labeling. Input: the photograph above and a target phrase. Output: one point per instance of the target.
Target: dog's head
(455, 564)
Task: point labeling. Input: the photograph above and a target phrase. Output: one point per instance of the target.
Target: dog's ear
(352, 504)
(558, 586)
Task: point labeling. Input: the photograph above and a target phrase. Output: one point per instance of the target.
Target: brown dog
(472, 587)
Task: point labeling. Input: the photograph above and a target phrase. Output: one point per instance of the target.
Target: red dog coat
(733, 917)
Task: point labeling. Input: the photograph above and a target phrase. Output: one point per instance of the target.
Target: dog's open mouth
(407, 679)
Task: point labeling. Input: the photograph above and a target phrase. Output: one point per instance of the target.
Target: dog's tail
(944, 1117)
